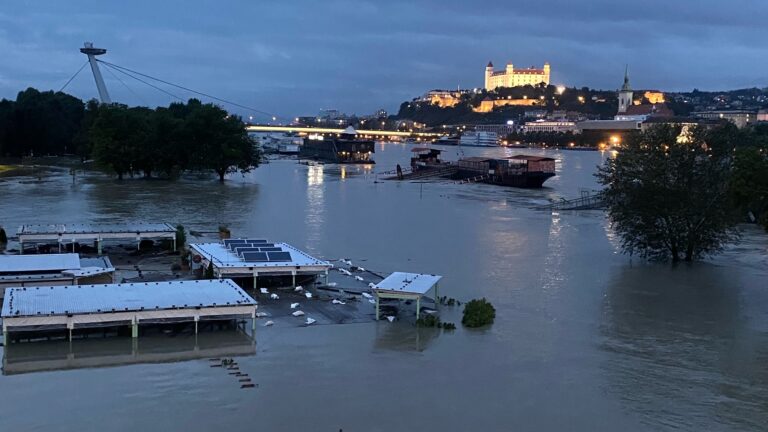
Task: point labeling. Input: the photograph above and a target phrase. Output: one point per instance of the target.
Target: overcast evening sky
(296, 57)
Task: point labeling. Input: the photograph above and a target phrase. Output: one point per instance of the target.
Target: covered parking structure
(254, 258)
(72, 307)
(97, 233)
(53, 269)
(406, 286)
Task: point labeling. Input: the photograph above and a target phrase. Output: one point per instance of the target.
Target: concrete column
(197, 318)
(293, 277)
(21, 248)
(253, 321)
(98, 246)
(138, 243)
(135, 328)
(255, 281)
(5, 336)
(418, 307)
(377, 306)
(326, 277)
(437, 296)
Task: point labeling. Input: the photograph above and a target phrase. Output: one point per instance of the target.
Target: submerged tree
(667, 193)
(219, 140)
(749, 184)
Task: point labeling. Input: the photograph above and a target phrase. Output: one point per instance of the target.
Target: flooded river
(585, 338)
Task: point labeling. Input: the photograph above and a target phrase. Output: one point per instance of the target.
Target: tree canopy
(668, 192)
(127, 140)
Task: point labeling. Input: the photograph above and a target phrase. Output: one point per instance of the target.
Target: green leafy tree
(219, 142)
(667, 194)
(478, 313)
(118, 135)
(749, 183)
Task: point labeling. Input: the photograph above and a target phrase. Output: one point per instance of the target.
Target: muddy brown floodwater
(585, 338)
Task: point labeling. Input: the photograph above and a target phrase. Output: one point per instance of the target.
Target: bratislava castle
(511, 77)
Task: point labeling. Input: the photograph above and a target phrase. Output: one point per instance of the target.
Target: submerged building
(346, 148)
(53, 269)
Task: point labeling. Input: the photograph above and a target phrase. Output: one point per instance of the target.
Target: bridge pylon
(92, 52)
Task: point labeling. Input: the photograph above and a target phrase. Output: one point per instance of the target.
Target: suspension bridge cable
(190, 90)
(73, 76)
(144, 82)
(126, 85)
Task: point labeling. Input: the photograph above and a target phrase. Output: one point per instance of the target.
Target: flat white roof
(39, 263)
(129, 297)
(131, 228)
(223, 257)
(408, 283)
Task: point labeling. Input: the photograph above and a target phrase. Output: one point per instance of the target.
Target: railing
(585, 202)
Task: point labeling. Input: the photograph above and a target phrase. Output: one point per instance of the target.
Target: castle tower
(488, 73)
(509, 75)
(625, 94)
(547, 70)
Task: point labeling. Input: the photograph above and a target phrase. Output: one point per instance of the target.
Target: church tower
(625, 94)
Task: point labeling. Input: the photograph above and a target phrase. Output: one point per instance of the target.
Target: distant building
(625, 94)
(740, 118)
(550, 126)
(511, 77)
(630, 110)
(442, 98)
(762, 115)
(501, 130)
(330, 114)
(487, 105)
(536, 114)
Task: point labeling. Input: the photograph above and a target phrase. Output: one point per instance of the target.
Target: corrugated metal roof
(96, 228)
(38, 263)
(411, 283)
(223, 257)
(84, 299)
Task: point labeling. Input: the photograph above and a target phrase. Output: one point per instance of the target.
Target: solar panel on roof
(256, 241)
(240, 250)
(255, 257)
(271, 249)
(279, 256)
(228, 242)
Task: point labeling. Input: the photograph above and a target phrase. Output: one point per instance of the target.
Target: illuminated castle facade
(511, 77)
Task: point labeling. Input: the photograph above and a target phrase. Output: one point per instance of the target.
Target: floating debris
(339, 302)
(371, 285)
(269, 323)
(294, 305)
(298, 313)
(274, 297)
(264, 290)
(368, 296)
(390, 318)
(310, 321)
(298, 289)
(261, 314)
(308, 295)
(371, 301)
(331, 284)
(246, 385)
(359, 278)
